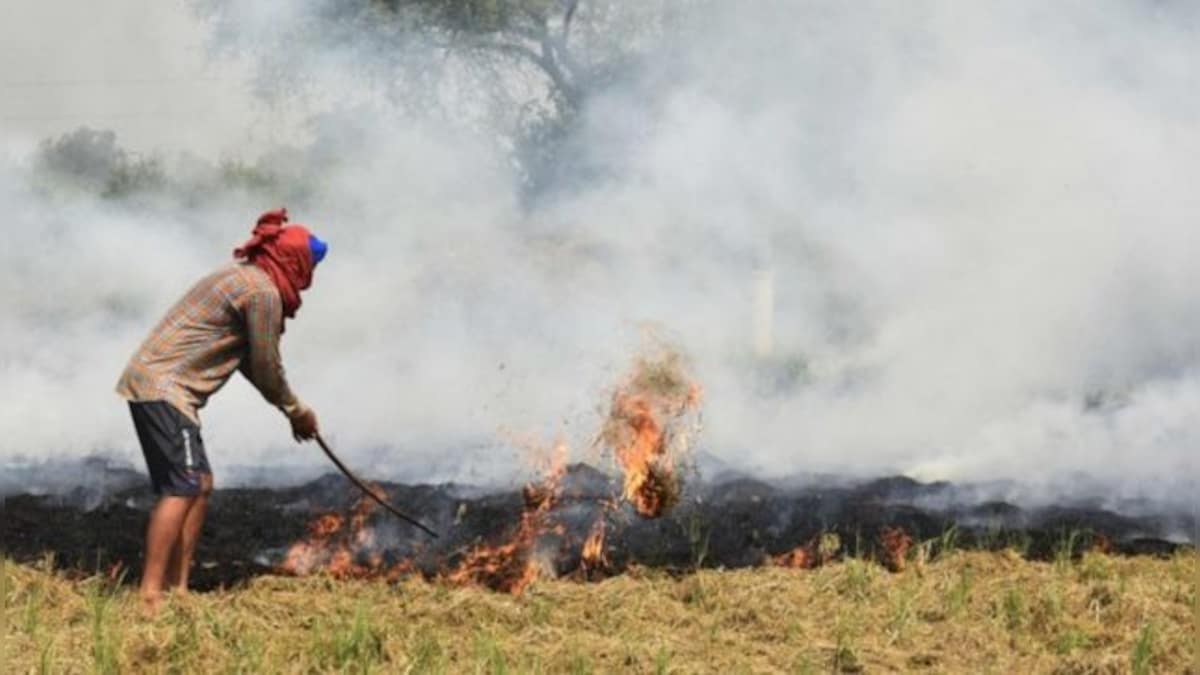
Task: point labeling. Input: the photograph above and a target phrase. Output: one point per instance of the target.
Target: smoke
(977, 221)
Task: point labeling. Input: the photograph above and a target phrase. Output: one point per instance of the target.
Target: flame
(339, 545)
(797, 558)
(512, 566)
(346, 547)
(593, 556)
(508, 567)
(648, 476)
(647, 431)
(820, 551)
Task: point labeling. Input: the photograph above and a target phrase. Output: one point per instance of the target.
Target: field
(961, 612)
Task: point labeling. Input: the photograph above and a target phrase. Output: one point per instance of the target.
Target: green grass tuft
(1143, 651)
(1015, 610)
(104, 649)
(355, 646)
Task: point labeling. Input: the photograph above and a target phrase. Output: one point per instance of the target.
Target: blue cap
(318, 248)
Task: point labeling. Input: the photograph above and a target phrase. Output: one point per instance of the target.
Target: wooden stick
(371, 493)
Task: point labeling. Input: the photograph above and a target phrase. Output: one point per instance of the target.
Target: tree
(536, 32)
(90, 161)
(531, 65)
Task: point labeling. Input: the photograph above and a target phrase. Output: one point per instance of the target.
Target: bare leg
(171, 577)
(166, 521)
(181, 553)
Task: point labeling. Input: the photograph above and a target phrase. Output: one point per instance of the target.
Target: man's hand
(304, 425)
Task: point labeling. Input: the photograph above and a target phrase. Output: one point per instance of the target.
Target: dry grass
(967, 612)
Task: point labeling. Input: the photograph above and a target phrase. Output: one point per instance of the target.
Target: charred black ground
(735, 522)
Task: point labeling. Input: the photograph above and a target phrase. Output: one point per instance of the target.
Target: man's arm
(263, 365)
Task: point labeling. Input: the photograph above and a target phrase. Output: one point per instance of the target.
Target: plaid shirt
(230, 320)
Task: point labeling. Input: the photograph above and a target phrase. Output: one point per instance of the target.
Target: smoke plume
(966, 231)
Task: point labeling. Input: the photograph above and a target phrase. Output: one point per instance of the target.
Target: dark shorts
(173, 448)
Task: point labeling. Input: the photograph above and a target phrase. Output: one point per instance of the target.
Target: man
(231, 319)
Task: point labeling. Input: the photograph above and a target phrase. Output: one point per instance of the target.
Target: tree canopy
(532, 64)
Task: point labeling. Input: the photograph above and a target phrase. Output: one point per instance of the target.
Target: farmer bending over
(230, 320)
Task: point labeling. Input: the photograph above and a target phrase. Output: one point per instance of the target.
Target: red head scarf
(283, 253)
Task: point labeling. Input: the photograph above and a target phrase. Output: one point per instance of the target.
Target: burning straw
(649, 426)
(343, 547)
(513, 565)
(653, 415)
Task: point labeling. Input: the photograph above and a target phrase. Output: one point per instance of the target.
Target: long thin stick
(369, 492)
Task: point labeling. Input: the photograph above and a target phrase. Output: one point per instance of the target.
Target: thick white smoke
(978, 222)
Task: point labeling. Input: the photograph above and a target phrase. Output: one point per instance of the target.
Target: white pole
(764, 312)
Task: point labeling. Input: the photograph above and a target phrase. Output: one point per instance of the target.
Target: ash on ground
(730, 522)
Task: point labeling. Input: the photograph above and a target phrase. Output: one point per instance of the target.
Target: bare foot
(151, 604)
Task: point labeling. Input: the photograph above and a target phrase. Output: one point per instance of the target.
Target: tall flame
(648, 430)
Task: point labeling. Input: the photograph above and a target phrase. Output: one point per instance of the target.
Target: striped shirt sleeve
(263, 365)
